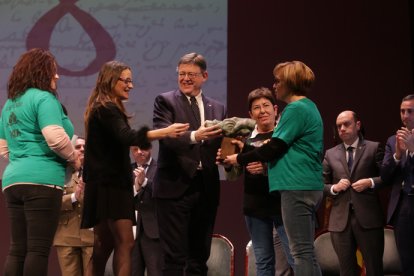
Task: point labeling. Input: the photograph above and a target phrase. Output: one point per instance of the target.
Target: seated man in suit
(351, 172)
(74, 246)
(147, 252)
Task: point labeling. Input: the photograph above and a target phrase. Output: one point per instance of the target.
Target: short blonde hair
(297, 76)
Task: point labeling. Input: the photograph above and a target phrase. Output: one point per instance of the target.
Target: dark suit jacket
(366, 204)
(146, 206)
(178, 159)
(393, 173)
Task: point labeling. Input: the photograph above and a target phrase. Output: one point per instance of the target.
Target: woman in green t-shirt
(34, 137)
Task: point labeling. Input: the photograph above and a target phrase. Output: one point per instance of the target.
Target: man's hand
(405, 137)
(401, 141)
(361, 185)
(342, 185)
(139, 178)
(206, 133)
(79, 190)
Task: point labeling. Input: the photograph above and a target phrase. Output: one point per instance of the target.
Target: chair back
(221, 261)
(391, 259)
(250, 260)
(325, 255)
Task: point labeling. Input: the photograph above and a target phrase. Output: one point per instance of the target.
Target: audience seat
(325, 254)
(329, 263)
(221, 261)
(250, 260)
(391, 259)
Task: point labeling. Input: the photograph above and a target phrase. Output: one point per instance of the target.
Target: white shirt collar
(255, 132)
(354, 144)
(199, 98)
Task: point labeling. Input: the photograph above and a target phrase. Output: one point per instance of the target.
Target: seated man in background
(147, 252)
(74, 245)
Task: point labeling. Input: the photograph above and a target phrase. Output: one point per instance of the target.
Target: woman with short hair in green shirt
(294, 154)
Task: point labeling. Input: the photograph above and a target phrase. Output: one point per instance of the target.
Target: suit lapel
(359, 152)
(208, 109)
(342, 157)
(151, 169)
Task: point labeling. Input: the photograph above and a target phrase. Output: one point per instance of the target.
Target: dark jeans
(261, 233)
(298, 212)
(33, 212)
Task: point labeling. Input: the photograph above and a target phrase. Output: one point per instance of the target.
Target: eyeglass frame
(190, 75)
(126, 81)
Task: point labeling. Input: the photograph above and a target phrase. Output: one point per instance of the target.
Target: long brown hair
(104, 93)
(35, 69)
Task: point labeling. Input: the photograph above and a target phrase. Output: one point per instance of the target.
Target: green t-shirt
(30, 158)
(300, 168)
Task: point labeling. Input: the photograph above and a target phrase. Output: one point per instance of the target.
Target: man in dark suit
(186, 184)
(147, 253)
(351, 172)
(398, 170)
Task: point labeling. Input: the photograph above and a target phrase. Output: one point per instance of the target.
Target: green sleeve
(49, 111)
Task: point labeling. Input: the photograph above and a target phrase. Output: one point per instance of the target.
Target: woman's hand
(255, 168)
(177, 129)
(75, 162)
(231, 159)
(238, 143)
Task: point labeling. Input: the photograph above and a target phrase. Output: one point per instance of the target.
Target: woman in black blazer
(109, 198)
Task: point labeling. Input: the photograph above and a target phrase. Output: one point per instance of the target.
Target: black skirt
(102, 202)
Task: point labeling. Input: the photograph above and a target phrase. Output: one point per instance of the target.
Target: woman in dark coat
(109, 204)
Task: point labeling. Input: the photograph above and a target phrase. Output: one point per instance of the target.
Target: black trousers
(186, 226)
(370, 243)
(34, 213)
(403, 221)
(146, 255)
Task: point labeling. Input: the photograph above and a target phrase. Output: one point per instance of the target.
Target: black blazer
(367, 163)
(146, 206)
(107, 161)
(178, 159)
(393, 174)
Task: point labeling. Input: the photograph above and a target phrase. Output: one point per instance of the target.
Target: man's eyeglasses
(126, 81)
(190, 75)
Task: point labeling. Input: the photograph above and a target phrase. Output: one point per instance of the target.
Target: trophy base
(227, 148)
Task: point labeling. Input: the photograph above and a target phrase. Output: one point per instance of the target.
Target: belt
(53, 186)
(36, 184)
